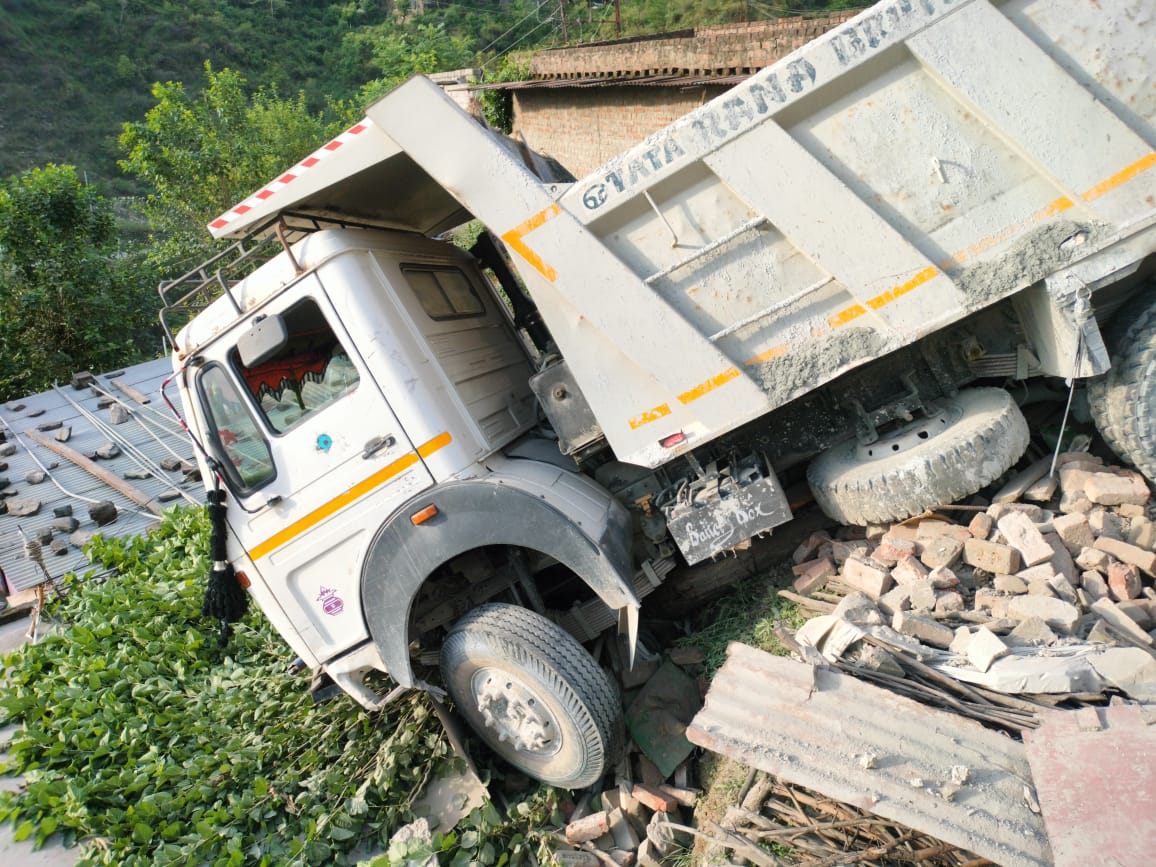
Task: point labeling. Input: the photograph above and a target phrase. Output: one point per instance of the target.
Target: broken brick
(1142, 534)
(1042, 490)
(1022, 535)
(922, 596)
(1137, 609)
(812, 575)
(980, 526)
(942, 578)
(1057, 613)
(989, 600)
(841, 550)
(588, 828)
(898, 598)
(924, 629)
(1093, 558)
(1075, 532)
(942, 551)
(655, 798)
(984, 648)
(810, 545)
(991, 556)
(1041, 572)
(1106, 523)
(1109, 489)
(1012, 584)
(932, 529)
(1144, 560)
(1094, 584)
(892, 548)
(1032, 631)
(1120, 622)
(872, 579)
(908, 570)
(948, 602)
(1033, 513)
(1123, 581)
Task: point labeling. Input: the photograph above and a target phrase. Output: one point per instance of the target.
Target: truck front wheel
(972, 440)
(1123, 400)
(533, 694)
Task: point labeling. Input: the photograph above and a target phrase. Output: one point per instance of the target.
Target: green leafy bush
(146, 743)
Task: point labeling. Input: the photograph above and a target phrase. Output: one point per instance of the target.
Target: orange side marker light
(424, 515)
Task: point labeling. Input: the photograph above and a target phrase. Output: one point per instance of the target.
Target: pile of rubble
(1048, 592)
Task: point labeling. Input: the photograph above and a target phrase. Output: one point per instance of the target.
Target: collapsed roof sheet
(928, 769)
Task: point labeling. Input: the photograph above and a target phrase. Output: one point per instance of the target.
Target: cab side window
(311, 371)
(235, 437)
(444, 293)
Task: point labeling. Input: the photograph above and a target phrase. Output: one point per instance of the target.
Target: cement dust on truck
(849, 268)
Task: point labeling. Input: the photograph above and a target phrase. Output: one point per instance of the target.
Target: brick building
(584, 104)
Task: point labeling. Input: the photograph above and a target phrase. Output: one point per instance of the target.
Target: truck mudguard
(529, 505)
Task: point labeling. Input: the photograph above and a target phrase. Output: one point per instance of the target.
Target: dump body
(922, 162)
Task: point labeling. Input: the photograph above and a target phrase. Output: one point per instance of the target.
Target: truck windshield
(311, 370)
(240, 446)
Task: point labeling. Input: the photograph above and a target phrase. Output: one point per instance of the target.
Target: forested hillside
(72, 73)
(129, 124)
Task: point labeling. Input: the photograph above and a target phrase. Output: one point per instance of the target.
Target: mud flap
(723, 507)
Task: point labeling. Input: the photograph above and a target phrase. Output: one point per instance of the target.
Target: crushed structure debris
(890, 755)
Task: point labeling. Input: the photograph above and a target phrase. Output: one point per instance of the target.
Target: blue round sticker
(324, 442)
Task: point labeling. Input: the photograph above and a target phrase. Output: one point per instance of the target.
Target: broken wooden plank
(152, 504)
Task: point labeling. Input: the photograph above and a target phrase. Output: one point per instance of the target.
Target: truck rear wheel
(534, 695)
(1123, 400)
(973, 440)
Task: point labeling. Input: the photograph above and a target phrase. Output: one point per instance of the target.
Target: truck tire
(1123, 400)
(976, 437)
(534, 695)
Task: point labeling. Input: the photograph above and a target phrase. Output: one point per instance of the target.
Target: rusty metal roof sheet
(1097, 755)
(151, 429)
(617, 81)
(927, 769)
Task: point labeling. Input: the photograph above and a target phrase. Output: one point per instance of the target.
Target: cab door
(316, 457)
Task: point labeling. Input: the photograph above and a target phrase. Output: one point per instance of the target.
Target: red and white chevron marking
(291, 175)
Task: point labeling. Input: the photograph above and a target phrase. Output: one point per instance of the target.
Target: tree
(397, 53)
(200, 154)
(68, 299)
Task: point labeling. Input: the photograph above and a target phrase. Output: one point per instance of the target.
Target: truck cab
(364, 400)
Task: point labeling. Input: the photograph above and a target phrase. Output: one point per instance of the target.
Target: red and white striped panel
(295, 172)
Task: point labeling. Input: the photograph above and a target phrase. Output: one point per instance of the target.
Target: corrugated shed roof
(150, 429)
(928, 769)
(618, 81)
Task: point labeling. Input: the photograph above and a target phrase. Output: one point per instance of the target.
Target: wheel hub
(514, 712)
(909, 435)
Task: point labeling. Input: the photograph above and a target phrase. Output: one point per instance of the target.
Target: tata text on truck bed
(851, 268)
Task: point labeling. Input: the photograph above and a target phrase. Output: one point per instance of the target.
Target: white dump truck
(458, 467)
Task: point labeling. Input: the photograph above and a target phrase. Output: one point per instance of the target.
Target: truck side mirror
(263, 341)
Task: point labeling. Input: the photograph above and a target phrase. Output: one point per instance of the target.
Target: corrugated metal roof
(619, 81)
(925, 768)
(151, 429)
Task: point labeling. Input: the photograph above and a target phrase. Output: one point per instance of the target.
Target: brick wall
(583, 127)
